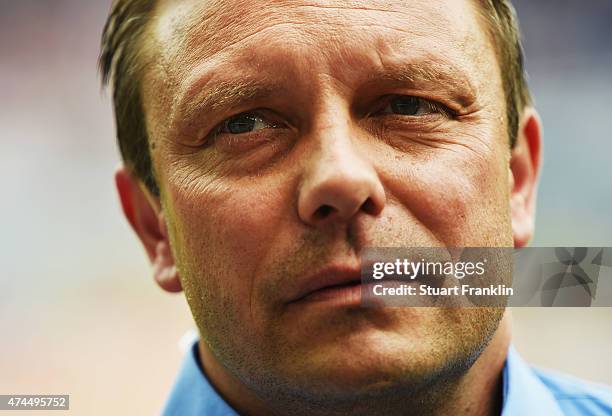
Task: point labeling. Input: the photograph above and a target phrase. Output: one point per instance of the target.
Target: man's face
(287, 136)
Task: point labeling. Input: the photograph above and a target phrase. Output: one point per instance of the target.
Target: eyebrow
(416, 74)
(200, 98)
(222, 95)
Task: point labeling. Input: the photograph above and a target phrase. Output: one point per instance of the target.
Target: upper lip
(327, 277)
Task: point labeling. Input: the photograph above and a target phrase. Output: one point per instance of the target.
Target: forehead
(188, 31)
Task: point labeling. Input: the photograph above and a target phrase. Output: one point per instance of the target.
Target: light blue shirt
(526, 392)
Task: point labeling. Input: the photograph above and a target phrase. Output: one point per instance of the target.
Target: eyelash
(432, 106)
(258, 114)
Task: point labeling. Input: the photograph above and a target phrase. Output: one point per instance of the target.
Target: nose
(338, 184)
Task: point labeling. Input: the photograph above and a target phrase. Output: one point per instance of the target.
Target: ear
(144, 213)
(525, 161)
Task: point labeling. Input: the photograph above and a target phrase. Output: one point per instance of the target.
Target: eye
(407, 105)
(243, 123)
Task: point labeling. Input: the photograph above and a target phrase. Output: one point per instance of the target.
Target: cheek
(459, 195)
(222, 232)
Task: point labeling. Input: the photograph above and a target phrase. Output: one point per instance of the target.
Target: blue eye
(243, 123)
(407, 105)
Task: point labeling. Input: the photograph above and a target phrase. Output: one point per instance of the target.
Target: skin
(240, 224)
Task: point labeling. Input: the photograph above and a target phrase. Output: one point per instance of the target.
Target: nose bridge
(332, 135)
(339, 156)
(339, 180)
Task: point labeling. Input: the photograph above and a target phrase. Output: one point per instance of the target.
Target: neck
(475, 392)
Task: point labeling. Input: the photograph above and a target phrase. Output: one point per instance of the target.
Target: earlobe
(144, 214)
(164, 269)
(524, 169)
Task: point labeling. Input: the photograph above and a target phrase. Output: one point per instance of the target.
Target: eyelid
(435, 106)
(438, 107)
(250, 114)
(267, 116)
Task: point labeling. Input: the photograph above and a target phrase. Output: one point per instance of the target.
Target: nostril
(323, 212)
(369, 206)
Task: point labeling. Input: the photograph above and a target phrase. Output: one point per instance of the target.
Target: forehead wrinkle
(210, 26)
(202, 28)
(186, 28)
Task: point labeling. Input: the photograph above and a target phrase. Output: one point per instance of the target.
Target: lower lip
(349, 295)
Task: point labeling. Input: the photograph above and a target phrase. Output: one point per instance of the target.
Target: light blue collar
(523, 392)
(193, 394)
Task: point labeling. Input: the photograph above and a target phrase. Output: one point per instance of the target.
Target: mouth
(337, 286)
(349, 294)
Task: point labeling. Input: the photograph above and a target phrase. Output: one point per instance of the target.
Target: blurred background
(79, 311)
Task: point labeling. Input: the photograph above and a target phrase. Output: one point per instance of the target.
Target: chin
(368, 364)
(405, 355)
